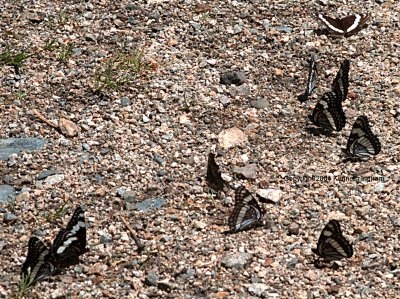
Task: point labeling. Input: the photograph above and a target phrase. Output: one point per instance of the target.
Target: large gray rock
(9, 146)
(236, 260)
(7, 194)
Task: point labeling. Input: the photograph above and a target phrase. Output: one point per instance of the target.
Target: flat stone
(45, 174)
(150, 204)
(236, 260)
(151, 279)
(249, 171)
(9, 146)
(68, 128)
(231, 137)
(294, 229)
(270, 195)
(7, 194)
(257, 289)
(259, 104)
(54, 179)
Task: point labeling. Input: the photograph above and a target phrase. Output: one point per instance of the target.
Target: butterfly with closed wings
(362, 142)
(328, 113)
(68, 245)
(214, 178)
(311, 82)
(246, 214)
(340, 85)
(346, 26)
(332, 245)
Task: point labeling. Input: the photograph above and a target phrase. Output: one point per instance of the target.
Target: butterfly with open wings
(346, 26)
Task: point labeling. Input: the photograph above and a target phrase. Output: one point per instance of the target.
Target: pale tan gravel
(175, 112)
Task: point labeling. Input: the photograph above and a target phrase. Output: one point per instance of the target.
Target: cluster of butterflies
(68, 245)
(247, 214)
(328, 114)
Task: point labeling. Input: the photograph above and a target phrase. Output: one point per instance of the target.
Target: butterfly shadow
(315, 131)
(321, 264)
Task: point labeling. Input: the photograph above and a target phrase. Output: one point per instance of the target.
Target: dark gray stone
(128, 196)
(9, 218)
(233, 77)
(9, 146)
(125, 101)
(150, 204)
(151, 279)
(158, 159)
(7, 194)
(45, 174)
(104, 239)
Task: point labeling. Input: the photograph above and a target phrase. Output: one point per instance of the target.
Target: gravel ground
(140, 80)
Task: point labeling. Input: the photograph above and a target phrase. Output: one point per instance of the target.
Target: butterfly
(214, 179)
(312, 80)
(70, 242)
(39, 262)
(332, 245)
(67, 246)
(246, 214)
(340, 85)
(362, 142)
(346, 26)
(328, 113)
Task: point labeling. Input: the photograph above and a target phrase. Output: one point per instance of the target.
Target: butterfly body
(311, 81)
(332, 245)
(68, 245)
(362, 142)
(328, 113)
(246, 214)
(346, 26)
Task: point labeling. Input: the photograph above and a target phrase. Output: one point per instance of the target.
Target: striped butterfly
(39, 263)
(214, 179)
(311, 81)
(246, 214)
(362, 142)
(340, 85)
(346, 26)
(332, 245)
(328, 113)
(67, 246)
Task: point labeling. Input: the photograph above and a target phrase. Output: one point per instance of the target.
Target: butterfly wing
(214, 179)
(353, 24)
(346, 26)
(70, 242)
(311, 82)
(362, 142)
(39, 263)
(246, 213)
(332, 24)
(328, 113)
(340, 85)
(332, 245)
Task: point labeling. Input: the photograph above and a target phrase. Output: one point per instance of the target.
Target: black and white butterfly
(332, 245)
(328, 113)
(70, 242)
(246, 214)
(346, 26)
(68, 245)
(214, 179)
(311, 81)
(340, 85)
(362, 142)
(39, 263)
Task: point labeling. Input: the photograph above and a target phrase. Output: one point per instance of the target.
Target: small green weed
(14, 58)
(65, 52)
(25, 284)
